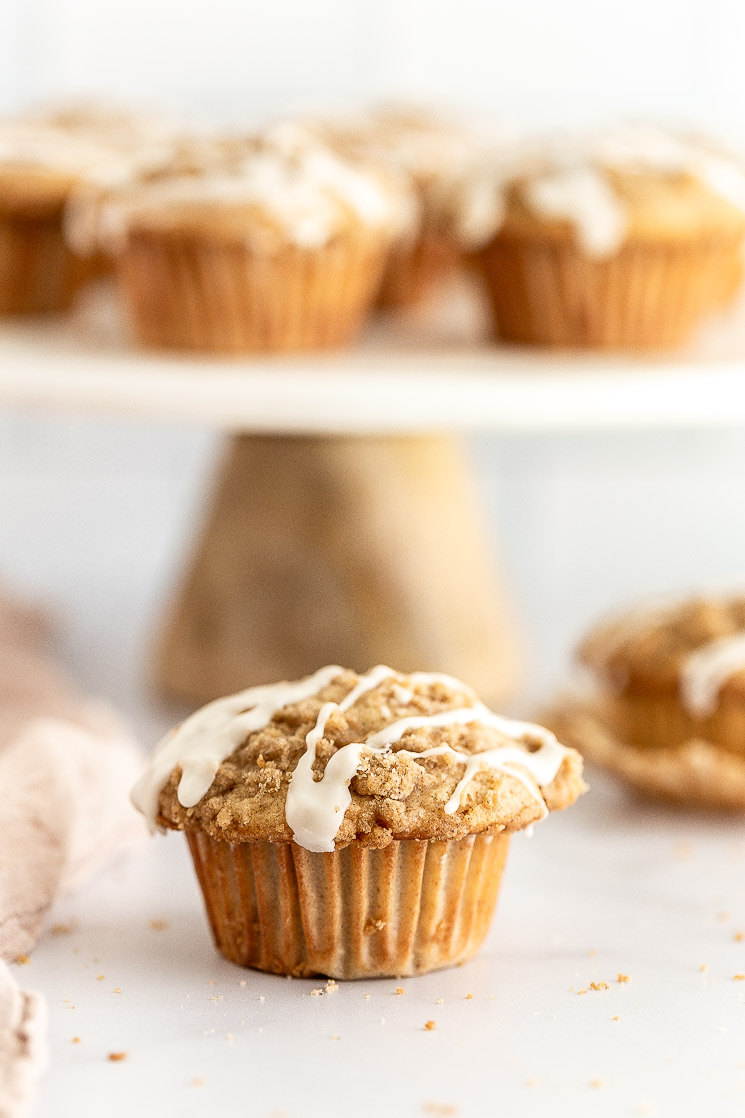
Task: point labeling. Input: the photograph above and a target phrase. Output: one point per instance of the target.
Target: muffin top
(635, 183)
(337, 758)
(281, 187)
(44, 155)
(695, 649)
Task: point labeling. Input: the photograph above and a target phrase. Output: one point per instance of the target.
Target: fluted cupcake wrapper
(359, 912)
(413, 271)
(38, 272)
(191, 293)
(644, 297)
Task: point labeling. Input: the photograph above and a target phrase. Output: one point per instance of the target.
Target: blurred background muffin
(625, 238)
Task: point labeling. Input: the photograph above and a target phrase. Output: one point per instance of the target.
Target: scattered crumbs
(116, 1057)
(197, 1082)
(117, 989)
(738, 977)
(739, 937)
(23, 959)
(217, 998)
(597, 1082)
(332, 986)
(468, 997)
(373, 926)
(61, 929)
(702, 968)
(243, 982)
(614, 1018)
(399, 990)
(76, 1040)
(335, 1036)
(430, 1026)
(440, 1109)
(599, 986)
(100, 977)
(580, 992)
(723, 917)
(158, 924)
(439, 1001)
(316, 993)
(211, 982)
(571, 989)
(623, 977)
(367, 997)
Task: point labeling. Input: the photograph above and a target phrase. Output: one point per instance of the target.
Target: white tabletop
(420, 374)
(610, 888)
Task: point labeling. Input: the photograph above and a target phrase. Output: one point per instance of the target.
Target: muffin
(625, 239)
(278, 248)
(664, 702)
(429, 150)
(42, 161)
(353, 826)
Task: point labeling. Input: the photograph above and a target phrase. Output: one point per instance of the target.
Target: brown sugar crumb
(212, 982)
(317, 992)
(579, 992)
(367, 997)
(738, 977)
(61, 929)
(739, 937)
(702, 968)
(332, 986)
(76, 1040)
(439, 1001)
(599, 986)
(430, 1026)
(400, 990)
(468, 997)
(243, 982)
(100, 977)
(23, 959)
(615, 1018)
(597, 1082)
(374, 926)
(723, 917)
(158, 924)
(116, 1057)
(117, 989)
(623, 977)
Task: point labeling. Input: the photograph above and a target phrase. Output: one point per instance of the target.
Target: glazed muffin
(665, 708)
(626, 239)
(353, 826)
(278, 250)
(43, 159)
(430, 151)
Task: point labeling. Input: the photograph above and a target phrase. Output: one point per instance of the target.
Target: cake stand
(343, 525)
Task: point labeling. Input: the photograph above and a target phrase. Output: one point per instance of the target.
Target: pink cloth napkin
(66, 767)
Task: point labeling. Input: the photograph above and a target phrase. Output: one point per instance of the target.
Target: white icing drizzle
(315, 808)
(203, 741)
(582, 196)
(705, 672)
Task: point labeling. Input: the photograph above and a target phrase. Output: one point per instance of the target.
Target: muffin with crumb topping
(277, 248)
(625, 239)
(663, 703)
(353, 826)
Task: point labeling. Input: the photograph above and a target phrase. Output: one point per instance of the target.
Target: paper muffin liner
(644, 297)
(414, 271)
(191, 293)
(407, 908)
(38, 272)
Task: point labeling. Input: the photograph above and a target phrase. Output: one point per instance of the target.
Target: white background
(95, 515)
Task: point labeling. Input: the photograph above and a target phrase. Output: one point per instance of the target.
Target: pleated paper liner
(38, 273)
(413, 272)
(405, 909)
(186, 292)
(644, 297)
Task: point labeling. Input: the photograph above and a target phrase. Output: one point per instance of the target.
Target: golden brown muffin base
(38, 273)
(694, 773)
(217, 296)
(654, 720)
(409, 908)
(549, 292)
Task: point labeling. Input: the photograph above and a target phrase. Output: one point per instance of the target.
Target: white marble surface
(95, 517)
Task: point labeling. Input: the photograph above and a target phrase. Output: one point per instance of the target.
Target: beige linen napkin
(66, 766)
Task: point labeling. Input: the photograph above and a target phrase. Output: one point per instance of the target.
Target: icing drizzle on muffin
(315, 808)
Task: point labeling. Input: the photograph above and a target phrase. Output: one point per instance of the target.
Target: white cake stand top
(408, 378)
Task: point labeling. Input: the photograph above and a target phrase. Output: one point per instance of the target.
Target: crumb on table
(430, 1026)
(116, 1057)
